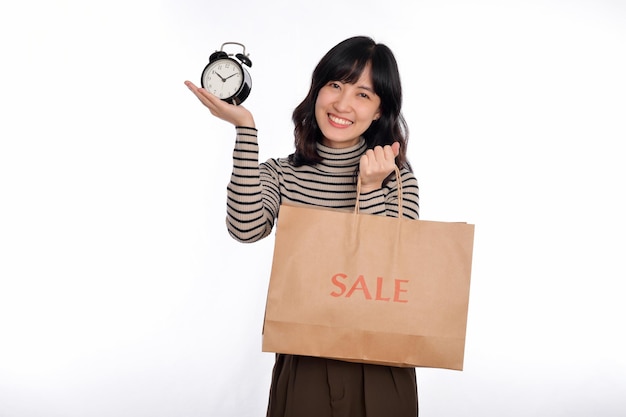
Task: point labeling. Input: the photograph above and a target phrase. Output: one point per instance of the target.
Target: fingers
(213, 103)
(376, 164)
(231, 113)
(381, 158)
(204, 96)
(396, 148)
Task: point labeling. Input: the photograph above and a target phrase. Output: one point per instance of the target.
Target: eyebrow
(364, 87)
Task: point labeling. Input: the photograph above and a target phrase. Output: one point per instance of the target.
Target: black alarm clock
(225, 77)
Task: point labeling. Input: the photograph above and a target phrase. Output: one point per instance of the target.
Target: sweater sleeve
(384, 201)
(252, 194)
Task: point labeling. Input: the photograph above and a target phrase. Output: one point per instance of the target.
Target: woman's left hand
(376, 164)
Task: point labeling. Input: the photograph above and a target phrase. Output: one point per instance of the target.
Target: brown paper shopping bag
(369, 288)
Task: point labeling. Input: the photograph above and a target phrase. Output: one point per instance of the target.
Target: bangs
(349, 70)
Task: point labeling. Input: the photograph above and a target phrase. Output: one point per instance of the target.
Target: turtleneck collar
(342, 157)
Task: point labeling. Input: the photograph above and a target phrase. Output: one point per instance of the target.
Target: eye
(334, 84)
(364, 95)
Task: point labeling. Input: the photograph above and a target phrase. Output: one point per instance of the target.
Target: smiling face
(344, 111)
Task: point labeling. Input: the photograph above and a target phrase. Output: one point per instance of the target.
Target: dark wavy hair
(345, 62)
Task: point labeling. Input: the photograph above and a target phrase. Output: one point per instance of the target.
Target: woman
(348, 127)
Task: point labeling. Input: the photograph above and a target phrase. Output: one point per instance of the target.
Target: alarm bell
(243, 57)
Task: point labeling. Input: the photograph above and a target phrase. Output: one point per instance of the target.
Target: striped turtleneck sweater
(256, 190)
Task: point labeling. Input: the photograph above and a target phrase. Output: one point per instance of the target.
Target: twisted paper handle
(398, 180)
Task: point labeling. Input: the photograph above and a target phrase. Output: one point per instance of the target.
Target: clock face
(223, 78)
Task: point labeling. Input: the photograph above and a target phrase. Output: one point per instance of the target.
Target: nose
(343, 101)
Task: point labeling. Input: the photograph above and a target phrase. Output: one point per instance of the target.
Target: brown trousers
(304, 386)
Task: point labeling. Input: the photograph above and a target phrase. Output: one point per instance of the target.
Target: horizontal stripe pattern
(256, 190)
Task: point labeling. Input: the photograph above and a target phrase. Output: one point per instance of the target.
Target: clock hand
(221, 78)
(231, 75)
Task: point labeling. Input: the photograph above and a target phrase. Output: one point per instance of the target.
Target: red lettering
(360, 284)
(339, 280)
(340, 285)
(398, 290)
(379, 290)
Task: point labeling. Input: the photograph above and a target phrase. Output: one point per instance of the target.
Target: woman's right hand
(236, 115)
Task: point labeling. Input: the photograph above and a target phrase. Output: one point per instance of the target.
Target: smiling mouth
(339, 121)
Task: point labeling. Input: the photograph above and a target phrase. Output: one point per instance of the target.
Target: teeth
(339, 120)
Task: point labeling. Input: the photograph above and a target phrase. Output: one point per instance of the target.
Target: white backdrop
(121, 293)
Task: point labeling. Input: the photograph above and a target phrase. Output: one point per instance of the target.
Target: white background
(121, 293)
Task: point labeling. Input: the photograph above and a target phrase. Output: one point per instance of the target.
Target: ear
(377, 115)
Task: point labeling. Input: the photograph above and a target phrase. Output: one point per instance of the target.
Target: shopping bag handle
(398, 181)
